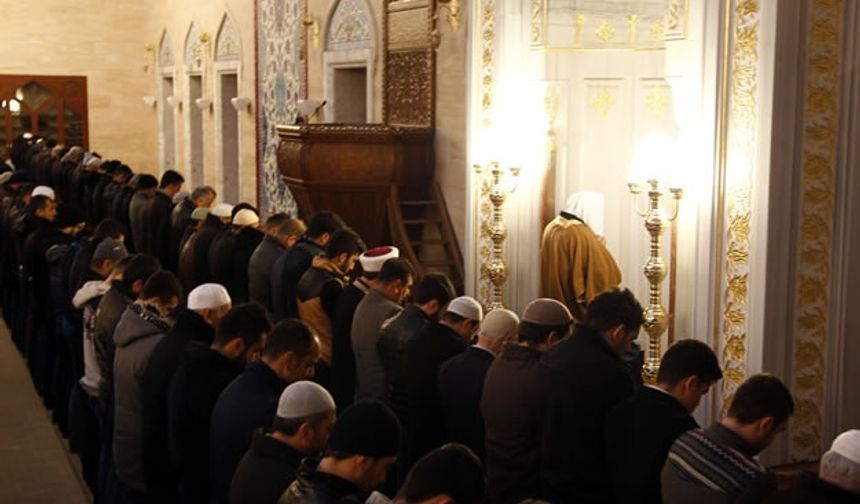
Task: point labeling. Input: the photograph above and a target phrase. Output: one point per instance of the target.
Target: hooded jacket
(87, 299)
(138, 331)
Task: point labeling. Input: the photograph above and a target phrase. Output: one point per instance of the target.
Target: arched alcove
(193, 57)
(228, 152)
(166, 118)
(348, 63)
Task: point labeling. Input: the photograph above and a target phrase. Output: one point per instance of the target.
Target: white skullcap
(43, 190)
(245, 217)
(222, 210)
(372, 260)
(303, 399)
(466, 307)
(499, 323)
(588, 206)
(208, 296)
(847, 445)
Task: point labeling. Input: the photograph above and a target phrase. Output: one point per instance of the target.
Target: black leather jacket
(393, 338)
(314, 487)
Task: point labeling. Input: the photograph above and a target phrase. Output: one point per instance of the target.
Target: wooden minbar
(350, 169)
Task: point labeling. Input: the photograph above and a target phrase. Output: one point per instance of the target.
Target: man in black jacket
(289, 354)
(290, 267)
(248, 238)
(362, 446)
(138, 209)
(429, 298)
(641, 429)
(204, 374)
(215, 222)
(514, 400)
(301, 427)
(207, 305)
(282, 233)
(180, 219)
(461, 380)
(588, 379)
(425, 354)
(158, 218)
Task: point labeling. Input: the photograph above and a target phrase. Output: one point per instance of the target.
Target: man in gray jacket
(281, 234)
(142, 326)
(383, 302)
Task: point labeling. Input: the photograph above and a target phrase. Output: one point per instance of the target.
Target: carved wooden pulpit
(351, 169)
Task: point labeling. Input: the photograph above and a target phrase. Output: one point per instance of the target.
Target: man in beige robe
(575, 264)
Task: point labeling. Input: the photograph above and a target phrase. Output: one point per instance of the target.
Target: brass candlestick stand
(656, 318)
(492, 180)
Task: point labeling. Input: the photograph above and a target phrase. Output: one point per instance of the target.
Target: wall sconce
(175, 102)
(203, 103)
(201, 50)
(654, 150)
(148, 56)
(496, 183)
(150, 101)
(240, 103)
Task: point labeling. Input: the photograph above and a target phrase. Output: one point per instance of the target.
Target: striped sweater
(715, 459)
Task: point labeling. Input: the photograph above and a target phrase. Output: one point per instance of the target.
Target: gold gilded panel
(409, 29)
(738, 170)
(820, 142)
(410, 88)
(485, 27)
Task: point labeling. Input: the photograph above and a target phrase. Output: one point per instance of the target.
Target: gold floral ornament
(605, 32)
(602, 101)
(656, 101)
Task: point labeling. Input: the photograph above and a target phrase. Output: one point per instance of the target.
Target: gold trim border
(820, 141)
(738, 162)
(485, 25)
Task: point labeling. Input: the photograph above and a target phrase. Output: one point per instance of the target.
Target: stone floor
(35, 465)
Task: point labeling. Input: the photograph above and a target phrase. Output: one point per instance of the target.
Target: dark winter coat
(204, 236)
(165, 360)
(158, 227)
(315, 487)
(136, 334)
(260, 268)
(425, 354)
(138, 209)
(247, 404)
(461, 384)
(194, 389)
(588, 379)
(287, 272)
(221, 258)
(247, 240)
(180, 219)
(639, 432)
(111, 308)
(265, 471)
(512, 404)
(393, 340)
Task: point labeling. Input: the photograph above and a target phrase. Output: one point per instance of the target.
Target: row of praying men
(201, 398)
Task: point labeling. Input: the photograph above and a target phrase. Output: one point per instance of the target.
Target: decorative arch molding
(228, 45)
(192, 49)
(350, 26)
(165, 51)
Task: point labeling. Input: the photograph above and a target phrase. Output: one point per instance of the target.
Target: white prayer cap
(547, 312)
(847, 445)
(466, 307)
(303, 399)
(588, 206)
(208, 296)
(245, 217)
(222, 210)
(372, 260)
(499, 323)
(43, 190)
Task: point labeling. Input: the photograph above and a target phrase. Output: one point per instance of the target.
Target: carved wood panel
(409, 95)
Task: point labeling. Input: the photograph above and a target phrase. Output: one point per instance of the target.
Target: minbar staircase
(421, 229)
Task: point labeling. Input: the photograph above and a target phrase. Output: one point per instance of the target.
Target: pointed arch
(228, 46)
(350, 26)
(192, 41)
(165, 51)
